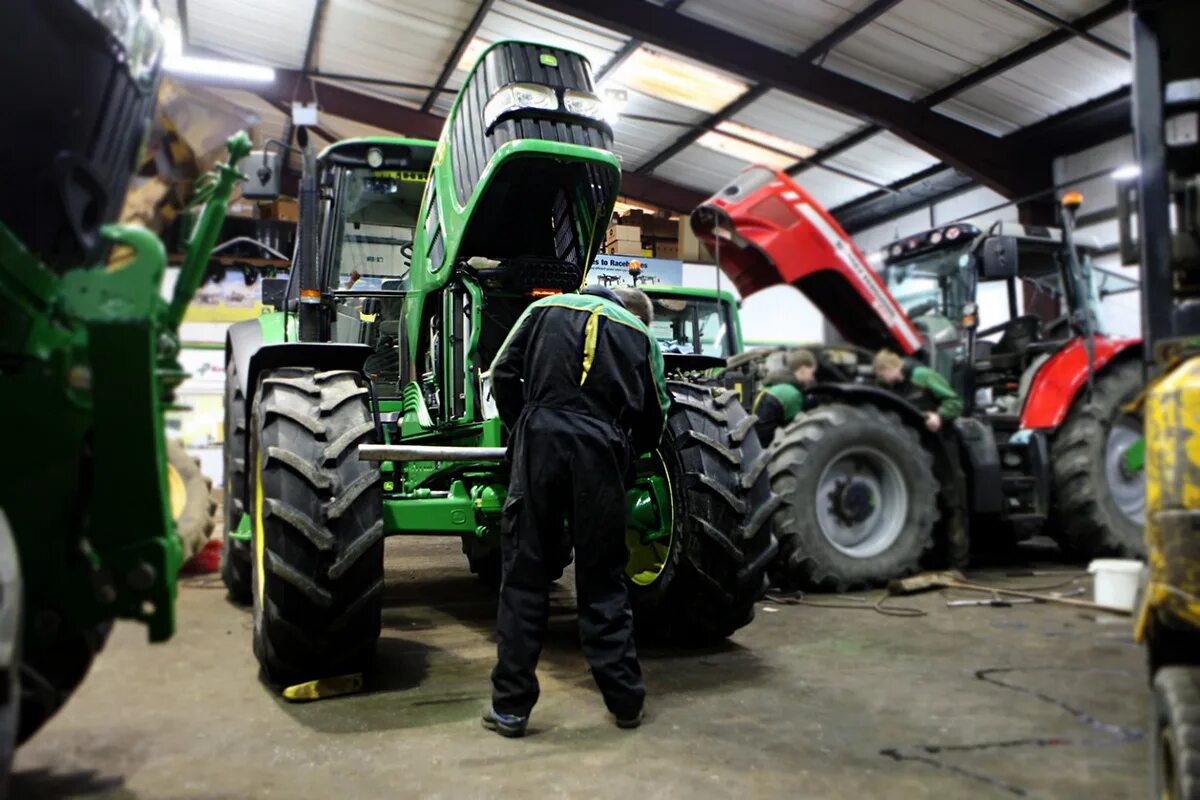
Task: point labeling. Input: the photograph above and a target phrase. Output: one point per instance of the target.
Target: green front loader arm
(91, 361)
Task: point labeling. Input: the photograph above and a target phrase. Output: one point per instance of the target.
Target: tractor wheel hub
(853, 501)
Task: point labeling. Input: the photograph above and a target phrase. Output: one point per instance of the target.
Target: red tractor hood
(773, 232)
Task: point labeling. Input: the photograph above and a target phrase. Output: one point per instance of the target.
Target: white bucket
(1116, 581)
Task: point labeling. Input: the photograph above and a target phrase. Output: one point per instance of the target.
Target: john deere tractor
(363, 408)
(88, 351)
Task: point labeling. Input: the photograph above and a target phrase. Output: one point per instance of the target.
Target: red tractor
(869, 493)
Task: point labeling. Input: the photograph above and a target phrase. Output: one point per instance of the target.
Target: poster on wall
(609, 270)
(235, 297)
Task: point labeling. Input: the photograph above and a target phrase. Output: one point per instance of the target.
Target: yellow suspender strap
(591, 333)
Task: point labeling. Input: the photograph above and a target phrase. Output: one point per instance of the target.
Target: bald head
(636, 302)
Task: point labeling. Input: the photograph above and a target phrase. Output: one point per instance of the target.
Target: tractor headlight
(583, 104)
(935, 237)
(518, 97)
(136, 27)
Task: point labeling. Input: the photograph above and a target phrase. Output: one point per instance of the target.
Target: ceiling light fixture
(216, 69)
(677, 80)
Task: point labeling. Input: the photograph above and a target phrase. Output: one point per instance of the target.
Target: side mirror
(999, 258)
(264, 171)
(274, 291)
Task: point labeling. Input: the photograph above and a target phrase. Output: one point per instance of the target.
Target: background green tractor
(364, 409)
(88, 353)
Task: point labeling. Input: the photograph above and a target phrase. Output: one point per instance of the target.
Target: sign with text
(614, 271)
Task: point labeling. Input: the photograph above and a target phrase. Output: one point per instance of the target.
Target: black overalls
(579, 383)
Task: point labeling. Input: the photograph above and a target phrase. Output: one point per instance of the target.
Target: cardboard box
(690, 247)
(619, 248)
(651, 224)
(665, 248)
(286, 209)
(624, 233)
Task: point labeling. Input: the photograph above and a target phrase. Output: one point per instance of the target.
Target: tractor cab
(695, 321)
(371, 197)
(995, 306)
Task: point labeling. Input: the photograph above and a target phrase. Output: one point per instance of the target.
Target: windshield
(691, 325)
(376, 211)
(933, 282)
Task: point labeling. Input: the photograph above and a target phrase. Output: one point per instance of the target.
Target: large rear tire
(235, 553)
(859, 499)
(701, 584)
(317, 537)
(1175, 735)
(1099, 505)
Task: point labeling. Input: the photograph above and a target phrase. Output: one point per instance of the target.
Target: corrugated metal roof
(831, 189)
(413, 98)
(517, 19)
(785, 25)
(1072, 73)
(884, 158)
(273, 32)
(700, 168)
(915, 48)
(921, 45)
(406, 40)
(636, 140)
(1116, 30)
(786, 115)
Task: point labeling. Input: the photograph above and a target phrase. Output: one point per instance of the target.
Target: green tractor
(88, 352)
(363, 408)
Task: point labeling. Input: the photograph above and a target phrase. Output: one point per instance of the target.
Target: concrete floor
(1029, 701)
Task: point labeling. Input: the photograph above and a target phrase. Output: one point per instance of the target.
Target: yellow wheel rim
(178, 492)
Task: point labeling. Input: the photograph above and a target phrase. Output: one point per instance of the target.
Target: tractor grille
(524, 275)
(471, 146)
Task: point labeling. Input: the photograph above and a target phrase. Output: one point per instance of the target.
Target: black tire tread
(806, 560)
(235, 554)
(1177, 712)
(716, 570)
(322, 524)
(1084, 522)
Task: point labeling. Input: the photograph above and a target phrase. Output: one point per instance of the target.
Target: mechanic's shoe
(509, 725)
(629, 723)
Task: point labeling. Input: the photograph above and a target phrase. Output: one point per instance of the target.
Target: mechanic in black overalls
(579, 383)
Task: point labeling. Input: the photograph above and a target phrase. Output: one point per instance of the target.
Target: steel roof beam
(817, 50)
(975, 152)
(456, 54)
(1093, 123)
(1066, 25)
(974, 78)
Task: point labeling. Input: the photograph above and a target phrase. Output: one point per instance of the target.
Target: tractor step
(419, 452)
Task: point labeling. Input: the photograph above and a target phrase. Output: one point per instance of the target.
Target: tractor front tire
(191, 499)
(714, 569)
(1175, 734)
(1098, 509)
(235, 553)
(859, 499)
(317, 539)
